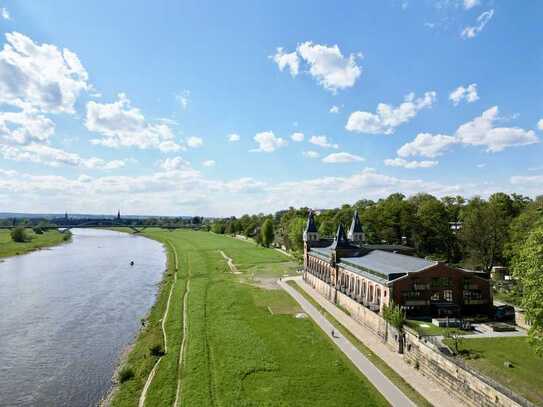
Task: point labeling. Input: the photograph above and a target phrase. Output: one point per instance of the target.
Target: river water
(67, 313)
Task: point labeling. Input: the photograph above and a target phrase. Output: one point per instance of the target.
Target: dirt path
(183, 342)
(143, 395)
(230, 262)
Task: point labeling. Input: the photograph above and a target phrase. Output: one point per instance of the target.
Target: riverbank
(9, 248)
(245, 345)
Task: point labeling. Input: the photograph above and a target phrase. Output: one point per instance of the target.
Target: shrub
(19, 234)
(37, 230)
(156, 350)
(125, 374)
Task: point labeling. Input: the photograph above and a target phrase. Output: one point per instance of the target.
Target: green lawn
(10, 248)
(238, 352)
(394, 377)
(489, 354)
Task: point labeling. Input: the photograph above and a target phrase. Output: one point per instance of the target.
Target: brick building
(375, 275)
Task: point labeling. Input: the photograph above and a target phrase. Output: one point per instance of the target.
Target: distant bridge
(105, 223)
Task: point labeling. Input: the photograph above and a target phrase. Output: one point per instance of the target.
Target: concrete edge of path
(382, 383)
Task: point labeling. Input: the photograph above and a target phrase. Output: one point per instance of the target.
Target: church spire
(356, 234)
(119, 215)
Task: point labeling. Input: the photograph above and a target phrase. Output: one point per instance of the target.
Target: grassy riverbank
(10, 248)
(245, 345)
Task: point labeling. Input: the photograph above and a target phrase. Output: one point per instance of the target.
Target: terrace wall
(465, 383)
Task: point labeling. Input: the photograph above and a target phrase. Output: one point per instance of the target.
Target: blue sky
(411, 96)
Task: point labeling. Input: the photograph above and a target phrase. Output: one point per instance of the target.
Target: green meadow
(34, 242)
(245, 344)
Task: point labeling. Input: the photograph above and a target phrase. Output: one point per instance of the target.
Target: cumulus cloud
(25, 127)
(122, 125)
(341, 158)
(55, 157)
(232, 138)
(400, 162)
(322, 141)
(468, 4)
(311, 154)
(287, 60)
(334, 109)
(427, 145)
(481, 132)
(326, 64)
(472, 31)
(297, 136)
(195, 142)
(268, 142)
(387, 118)
(208, 163)
(183, 99)
(469, 94)
(540, 124)
(4, 13)
(174, 164)
(41, 77)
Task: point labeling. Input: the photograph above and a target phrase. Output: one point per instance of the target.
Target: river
(66, 314)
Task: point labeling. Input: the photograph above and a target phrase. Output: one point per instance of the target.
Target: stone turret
(311, 234)
(356, 234)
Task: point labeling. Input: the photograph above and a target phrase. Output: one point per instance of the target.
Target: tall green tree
(295, 233)
(267, 233)
(528, 268)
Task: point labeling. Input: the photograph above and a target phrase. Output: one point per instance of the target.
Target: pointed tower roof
(340, 240)
(356, 227)
(310, 226)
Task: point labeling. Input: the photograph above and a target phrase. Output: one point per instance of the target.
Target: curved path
(183, 341)
(382, 383)
(141, 402)
(230, 262)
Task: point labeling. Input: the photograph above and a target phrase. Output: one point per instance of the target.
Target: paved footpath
(431, 391)
(388, 389)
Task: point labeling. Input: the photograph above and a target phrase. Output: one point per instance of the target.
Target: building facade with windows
(377, 275)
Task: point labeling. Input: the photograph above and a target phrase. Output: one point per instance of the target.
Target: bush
(125, 374)
(37, 230)
(19, 234)
(156, 350)
(67, 236)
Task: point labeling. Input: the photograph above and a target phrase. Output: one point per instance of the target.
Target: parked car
(504, 313)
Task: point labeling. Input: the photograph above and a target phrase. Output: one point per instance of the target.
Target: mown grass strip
(394, 377)
(35, 241)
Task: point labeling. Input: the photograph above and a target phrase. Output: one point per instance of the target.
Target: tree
(327, 228)
(528, 268)
(267, 233)
(295, 233)
(454, 335)
(19, 234)
(484, 232)
(394, 315)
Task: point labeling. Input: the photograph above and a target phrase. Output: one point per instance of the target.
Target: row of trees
(474, 233)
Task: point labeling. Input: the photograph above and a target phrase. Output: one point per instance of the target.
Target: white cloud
(329, 67)
(4, 13)
(41, 77)
(341, 158)
(468, 4)
(208, 163)
(232, 138)
(482, 20)
(297, 136)
(54, 157)
(311, 154)
(322, 141)
(481, 132)
(195, 142)
(24, 127)
(287, 60)
(469, 94)
(387, 118)
(267, 142)
(482, 165)
(427, 145)
(400, 162)
(540, 124)
(122, 125)
(183, 99)
(334, 109)
(174, 164)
